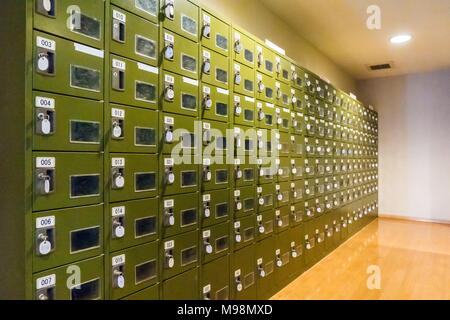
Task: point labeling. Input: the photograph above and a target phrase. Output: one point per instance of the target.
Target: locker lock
(206, 66)
(318, 237)
(294, 252)
(278, 67)
(294, 169)
(119, 278)
(45, 181)
(260, 199)
(208, 246)
(118, 227)
(169, 217)
(237, 138)
(237, 108)
(237, 77)
(238, 47)
(206, 137)
(169, 259)
(169, 51)
(118, 180)
(279, 195)
(169, 93)
(238, 172)
(294, 191)
(237, 236)
(207, 176)
(207, 30)
(239, 285)
(118, 33)
(329, 231)
(279, 261)
(47, 5)
(206, 209)
(207, 101)
(168, 136)
(207, 293)
(261, 271)
(44, 244)
(261, 115)
(261, 86)
(309, 212)
(294, 99)
(279, 93)
(117, 128)
(238, 203)
(279, 220)
(169, 9)
(260, 58)
(308, 244)
(45, 125)
(261, 228)
(45, 62)
(170, 176)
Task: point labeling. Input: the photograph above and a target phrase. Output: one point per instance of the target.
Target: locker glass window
(222, 109)
(221, 210)
(189, 63)
(84, 132)
(248, 55)
(249, 234)
(221, 244)
(249, 280)
(221, 143)
(144, 227)
(84, 186)
(268, 119)
(149, 6)
(221, 75)
(269, 267)
(222, 294)
(145, 92)
(145, 181)
(189, 25)
(221, 176)
(188, 256)
(268, 199)
(249, 204)
(248, 145)
(188, 217)
(269, 93)
(145, 136)
(188, 101)
(85, 239)
(249, 174)
(85, 25)
(86, 291)
(248, 85)
(188, 179)
(188, 140)
(84, 78)
(221, 42)
(145, 47)
(269, 65)
(145, 271)
(249, 115)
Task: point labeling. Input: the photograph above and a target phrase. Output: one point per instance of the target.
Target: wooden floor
(413, 259)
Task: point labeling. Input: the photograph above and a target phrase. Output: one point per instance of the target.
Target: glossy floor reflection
(413, 259)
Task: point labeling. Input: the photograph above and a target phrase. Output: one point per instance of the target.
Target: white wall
(414, 146)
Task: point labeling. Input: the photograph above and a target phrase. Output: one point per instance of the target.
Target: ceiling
(338, 29)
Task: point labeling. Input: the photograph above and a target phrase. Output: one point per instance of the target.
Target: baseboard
(398, 217)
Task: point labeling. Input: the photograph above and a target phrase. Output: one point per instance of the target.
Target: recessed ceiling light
(402, 38)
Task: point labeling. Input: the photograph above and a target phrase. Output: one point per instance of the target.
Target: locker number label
(45, 222)
(118, 260)
(118, 162)
(43, 163)
(46, 43)
(118, 211)
(42, 102)
(46, 282)
(169, 245)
